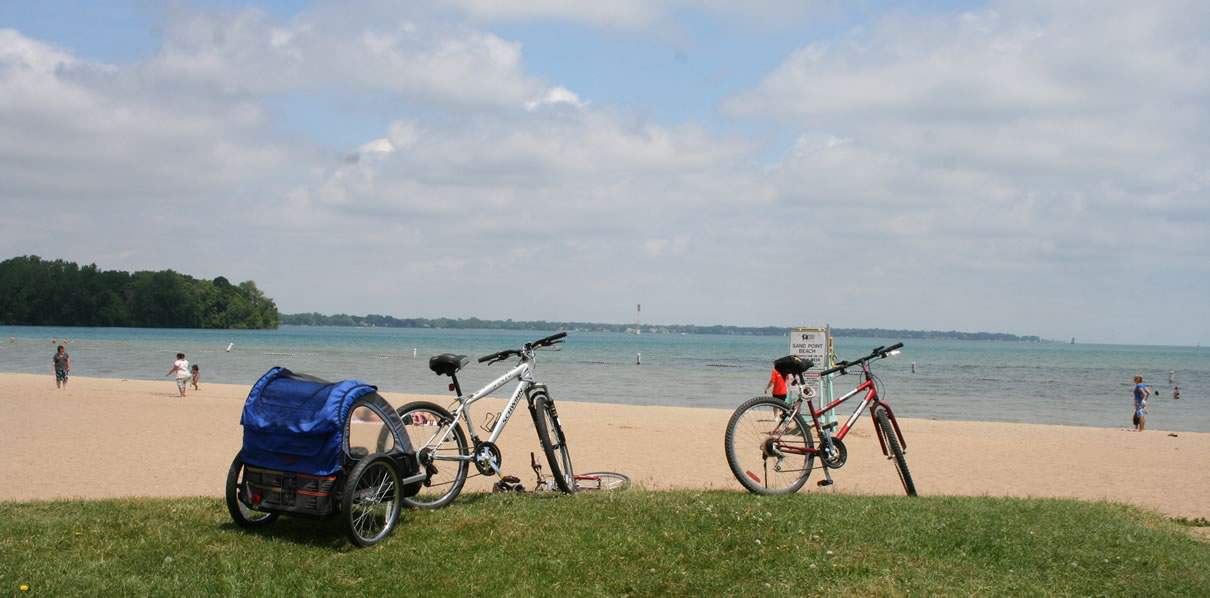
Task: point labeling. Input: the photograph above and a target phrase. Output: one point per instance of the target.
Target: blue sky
(1015, 166)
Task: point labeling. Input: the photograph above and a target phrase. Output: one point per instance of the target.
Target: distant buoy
(229, 345)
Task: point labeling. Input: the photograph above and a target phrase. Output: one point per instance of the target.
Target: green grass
(631, 543)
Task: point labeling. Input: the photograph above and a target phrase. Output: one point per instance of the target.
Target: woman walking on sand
(180, 368)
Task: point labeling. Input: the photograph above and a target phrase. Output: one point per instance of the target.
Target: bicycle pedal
(824, 483)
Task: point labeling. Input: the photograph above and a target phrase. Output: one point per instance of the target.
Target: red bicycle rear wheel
(767, 449)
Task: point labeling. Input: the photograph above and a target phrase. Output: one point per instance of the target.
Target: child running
(197, 375)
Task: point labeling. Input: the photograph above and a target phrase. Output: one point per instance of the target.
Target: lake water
(963, 380)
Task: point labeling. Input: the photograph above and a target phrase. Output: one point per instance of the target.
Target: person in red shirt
(777, 382)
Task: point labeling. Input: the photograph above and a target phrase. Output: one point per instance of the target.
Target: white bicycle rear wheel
(598, 481)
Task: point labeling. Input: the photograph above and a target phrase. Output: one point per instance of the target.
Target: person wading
(1141, 392)
(61, 366)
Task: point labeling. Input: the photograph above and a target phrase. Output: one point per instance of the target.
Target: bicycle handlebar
(542, 342)
(546, 342)
(499, 355)
(880, 353)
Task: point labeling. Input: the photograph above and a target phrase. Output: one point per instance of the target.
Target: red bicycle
(769, 443)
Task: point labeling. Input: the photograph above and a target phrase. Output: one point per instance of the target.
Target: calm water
(967, 380)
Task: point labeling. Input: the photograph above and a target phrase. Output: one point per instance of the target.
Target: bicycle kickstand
(533, 463)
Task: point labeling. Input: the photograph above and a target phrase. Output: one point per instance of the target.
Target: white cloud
(625, 13)
(77, 130)
(1030, 138)
(246, 52)
(377, 146)
(633, 14)
(660, 247)
(18, 51)
(555, 96)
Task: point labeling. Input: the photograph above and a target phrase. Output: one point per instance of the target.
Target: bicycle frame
(523, 372)
(870, 399)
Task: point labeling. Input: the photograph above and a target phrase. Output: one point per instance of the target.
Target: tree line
(41, 292)
(376, 320)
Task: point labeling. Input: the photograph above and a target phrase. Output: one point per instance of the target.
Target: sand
(104, 438)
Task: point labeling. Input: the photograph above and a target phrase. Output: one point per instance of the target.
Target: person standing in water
(1141, 392)
(1176, 393)
(61, 364)
(180, 368)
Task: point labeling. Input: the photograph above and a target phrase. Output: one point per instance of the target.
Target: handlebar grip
(489, 357)
(879, 352)
(551, 338)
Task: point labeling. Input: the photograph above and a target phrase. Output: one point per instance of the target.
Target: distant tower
(638, 313)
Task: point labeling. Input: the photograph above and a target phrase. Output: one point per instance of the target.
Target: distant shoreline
(380, 321)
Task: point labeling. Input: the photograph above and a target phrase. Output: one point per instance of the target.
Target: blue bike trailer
(299, 423)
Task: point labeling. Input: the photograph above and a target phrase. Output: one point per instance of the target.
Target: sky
(1027, 167)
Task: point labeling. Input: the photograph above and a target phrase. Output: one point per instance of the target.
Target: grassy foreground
(636, 543)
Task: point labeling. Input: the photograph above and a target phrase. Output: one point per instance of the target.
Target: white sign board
(812, 344)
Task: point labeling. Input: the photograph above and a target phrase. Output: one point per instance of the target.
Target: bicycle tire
(374, 482)
(892, 441)
(602, 481)
(546, 422)
(419, 438)
(750, 480)
(243, 515)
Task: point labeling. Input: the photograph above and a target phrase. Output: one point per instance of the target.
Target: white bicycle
(441, 444)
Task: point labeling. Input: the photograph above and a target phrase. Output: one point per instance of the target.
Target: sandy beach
(105, 438)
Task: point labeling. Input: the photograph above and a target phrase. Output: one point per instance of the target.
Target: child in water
(197, 375)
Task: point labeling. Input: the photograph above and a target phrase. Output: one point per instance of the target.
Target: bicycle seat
(447, 364)
(792, 365)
